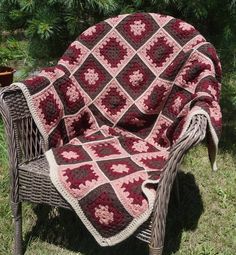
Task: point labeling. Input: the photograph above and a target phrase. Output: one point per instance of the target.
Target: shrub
(51, 24)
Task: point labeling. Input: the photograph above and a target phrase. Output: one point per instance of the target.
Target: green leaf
(27, 5)
(105, 6)
(16, 14)
(45, 30)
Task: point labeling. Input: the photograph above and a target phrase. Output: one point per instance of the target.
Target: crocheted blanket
(112, 108)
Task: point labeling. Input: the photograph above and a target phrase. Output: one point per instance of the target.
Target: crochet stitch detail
(110, 111)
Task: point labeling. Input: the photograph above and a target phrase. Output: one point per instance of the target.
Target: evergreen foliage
(51, 24)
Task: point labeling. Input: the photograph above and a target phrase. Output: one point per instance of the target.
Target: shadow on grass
(63, 228)
(185, 216)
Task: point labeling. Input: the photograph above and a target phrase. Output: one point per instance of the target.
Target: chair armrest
(195, 133)
(23, 137)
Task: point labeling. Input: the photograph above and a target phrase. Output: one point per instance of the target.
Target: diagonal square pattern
(113, 52)
(175, 66)
(180, 31)
(70, 154)
(177, 100)
(130, 192)
(36, 84)
(136, 77)
(108, 149)
(161, 19)
(79, 123)
(104, 211)
(74, 56)
(94, 34)
(134, 145)
(137, 29)
(50, 108)
(159, 51)
(158, 136)
(117, 168)
(69, 94)
(81, 178)
(113, 102)
(113, 21)
(152, 161)
(153, 99)
(139, 123)
(91, 137)
(100, 118)
(92, 76)
(197, 68)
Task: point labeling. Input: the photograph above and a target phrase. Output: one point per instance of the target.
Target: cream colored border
(212, 132)
(124, 234)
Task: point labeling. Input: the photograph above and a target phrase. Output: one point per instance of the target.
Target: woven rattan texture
(29, 171)
(31, 182)
(36, 186)
(29, 141)
(17, 104)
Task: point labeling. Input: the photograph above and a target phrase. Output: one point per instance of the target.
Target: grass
(203, 224)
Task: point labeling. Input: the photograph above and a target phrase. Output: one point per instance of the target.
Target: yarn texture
(110, 111)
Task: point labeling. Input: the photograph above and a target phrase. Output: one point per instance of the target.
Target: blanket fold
(111, 109)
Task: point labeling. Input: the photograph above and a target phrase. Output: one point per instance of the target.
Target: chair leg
(155, 251)
(17, 215)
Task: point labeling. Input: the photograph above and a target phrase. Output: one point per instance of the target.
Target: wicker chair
(29, 171)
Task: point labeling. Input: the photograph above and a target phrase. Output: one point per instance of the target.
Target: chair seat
(108, 168)
(36, 186)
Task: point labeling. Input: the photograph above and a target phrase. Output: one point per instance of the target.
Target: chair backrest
(125, 67)
(138, 72)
